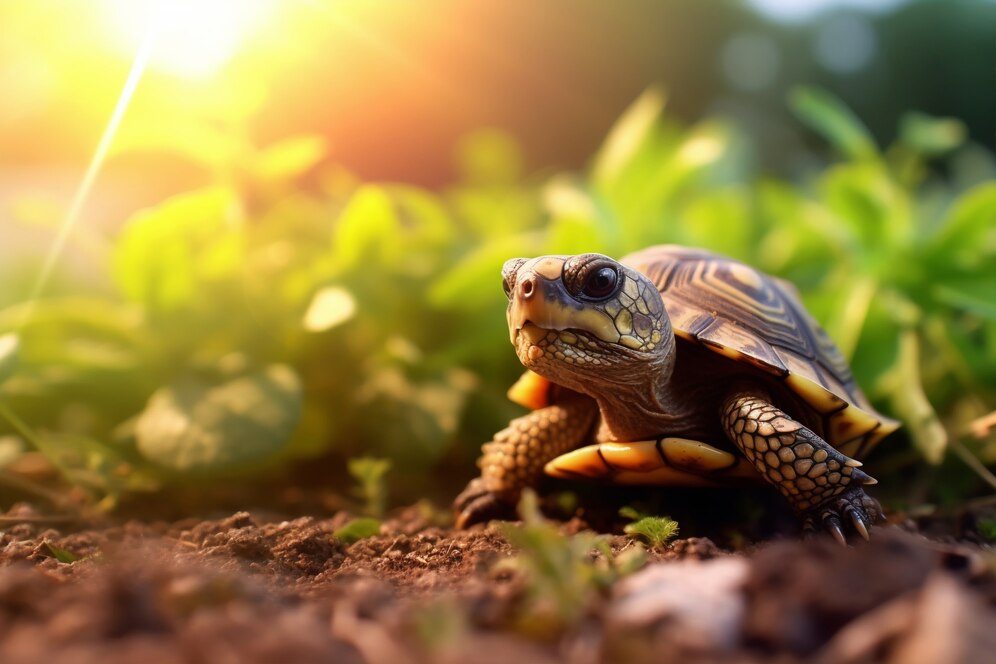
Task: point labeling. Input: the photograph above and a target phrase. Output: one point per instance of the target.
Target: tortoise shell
(741, 313)
(747, 316)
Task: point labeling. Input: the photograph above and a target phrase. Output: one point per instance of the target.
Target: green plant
(370, 474)
(287, 311)
(987, 528)
(655, 530)
(61, 555)
(909, 295)
(357, 529)
(564, 573)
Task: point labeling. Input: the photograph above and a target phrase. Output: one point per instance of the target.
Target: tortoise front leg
(822, 484)
(514, 459)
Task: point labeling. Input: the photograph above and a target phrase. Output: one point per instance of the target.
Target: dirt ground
(255, 588)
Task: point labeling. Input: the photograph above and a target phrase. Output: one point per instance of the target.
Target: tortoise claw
(832, 525)
(861, 477)
(852, 506)
(859, 525)
(477, 504)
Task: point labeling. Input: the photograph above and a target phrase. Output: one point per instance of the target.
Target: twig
(983, 426)
(973, 462)
(19, 425)
(983, 501)
(35, 489)
(25, 485)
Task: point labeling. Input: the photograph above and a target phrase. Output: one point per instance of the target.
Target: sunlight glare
(196, 37)
(144, 51)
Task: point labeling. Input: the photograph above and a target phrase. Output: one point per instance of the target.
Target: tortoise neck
(644, 408)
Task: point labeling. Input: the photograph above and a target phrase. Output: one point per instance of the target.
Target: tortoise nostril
(527, 286)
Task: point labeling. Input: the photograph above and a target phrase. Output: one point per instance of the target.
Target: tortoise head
(585, 321)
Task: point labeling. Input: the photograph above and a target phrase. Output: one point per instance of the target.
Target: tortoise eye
(600, 283)
(507, 287)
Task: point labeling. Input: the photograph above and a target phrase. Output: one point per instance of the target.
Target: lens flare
(196, 38)
(145, 47)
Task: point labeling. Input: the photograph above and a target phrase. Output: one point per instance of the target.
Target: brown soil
(250, 588)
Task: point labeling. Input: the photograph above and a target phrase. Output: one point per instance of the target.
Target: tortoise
(680, 367)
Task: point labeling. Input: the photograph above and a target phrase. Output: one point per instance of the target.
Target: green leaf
(987, 528)
(475, 281)
(202, 143)
(720, 221)
(80, 316)
(655, 530)
(93, 465)
(331, 306)
(628, 134)
(194, 426)
(368, 228)
(357, 529)
(11, 448)
(909, 400)
(853, 295)
(61, 555)
(967, 236)
(929, 135)
(868, 206)
(563, 573)
(9, 350)
(289, 158)
(828, 116)
(369, 473)
(164, 254)
(978, 298)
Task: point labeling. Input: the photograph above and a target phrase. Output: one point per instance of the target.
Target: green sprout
(564, 574)
(369, 473)
(987, 528)
(356, 529)
(62, 555)
(655, 530)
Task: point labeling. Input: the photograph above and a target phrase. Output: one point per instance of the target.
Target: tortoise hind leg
(822, 484)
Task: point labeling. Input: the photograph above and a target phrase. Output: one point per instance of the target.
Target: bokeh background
(252, 240)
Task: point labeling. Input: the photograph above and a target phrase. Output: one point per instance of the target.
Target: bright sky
(193, 38)
(793, 11)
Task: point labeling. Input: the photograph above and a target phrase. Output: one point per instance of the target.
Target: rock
(944, 622)
(694, 605)
(800, 594)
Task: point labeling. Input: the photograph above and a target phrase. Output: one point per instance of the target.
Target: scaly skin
(822, 484)
(600, 328)
(514, 459)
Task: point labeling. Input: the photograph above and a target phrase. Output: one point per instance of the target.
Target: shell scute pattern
(747, 316)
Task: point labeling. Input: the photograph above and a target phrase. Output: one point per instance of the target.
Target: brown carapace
(677, 367)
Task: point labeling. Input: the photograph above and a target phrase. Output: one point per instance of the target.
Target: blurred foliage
(291, 313)
(987, 528)
(565, 574)
(370, 475)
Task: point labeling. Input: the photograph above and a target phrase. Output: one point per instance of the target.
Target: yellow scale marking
(684, 463)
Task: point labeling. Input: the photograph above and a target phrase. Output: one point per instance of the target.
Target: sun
(193, 38)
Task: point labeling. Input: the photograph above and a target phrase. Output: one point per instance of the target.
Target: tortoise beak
(547, 305)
